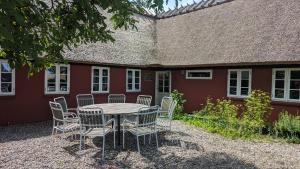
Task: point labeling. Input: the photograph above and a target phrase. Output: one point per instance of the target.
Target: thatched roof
(240, 32)
(208, 33)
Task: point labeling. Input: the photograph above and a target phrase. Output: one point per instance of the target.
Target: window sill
(135, 91)
(56, 93)
(100, 92)
(285, 102)
(8, 94)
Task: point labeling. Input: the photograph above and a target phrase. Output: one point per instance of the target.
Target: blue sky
(171, 3)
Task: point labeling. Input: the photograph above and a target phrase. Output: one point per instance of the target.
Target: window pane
(129, 86)
(232, 91)
(233, 75)
(51, 87)
(104, 79)
(294, 94)
(244, 91)
(279, 93)
(95, 87)
(199, 74)
(280, 74)
(295, 84)
(129, 77)
(5, 67)
(137, 86)
(63, 70)
(104, 87)
(245, 75)
(63, 78)
(245, 83)
(233, 82)
(104, 72)
(63, 87)
(295, 74)
(96, 72)
(6, 87)
(6, 77)
(167, 89)
(51, 79)
(279, 84)
(137, 80)
(96, 79)
(137, 74)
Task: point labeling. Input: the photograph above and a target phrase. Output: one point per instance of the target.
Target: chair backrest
(91, 118)
(144, 99)
(172, 109)
(57, 111)
(147, 116)
(84, 100)
(116, 98)
(165, 104)
(62, 102)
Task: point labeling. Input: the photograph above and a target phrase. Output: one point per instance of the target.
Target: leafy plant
(288, 126)
(176, 95)
(257, 108)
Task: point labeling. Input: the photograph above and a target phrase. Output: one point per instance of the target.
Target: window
(7, 78)
(100, 79)
(286, 84)
(57, 79)
(239, 83)
(198, 74)
(133, 80)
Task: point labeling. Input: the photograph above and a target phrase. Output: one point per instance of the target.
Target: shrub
(288, 126)
(180, 101)
(257, 108)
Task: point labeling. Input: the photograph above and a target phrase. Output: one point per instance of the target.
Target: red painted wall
(196, 91)
(30, 104)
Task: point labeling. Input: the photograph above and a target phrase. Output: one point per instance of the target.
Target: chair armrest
(110, 121)
(72, 120)
(128, 121)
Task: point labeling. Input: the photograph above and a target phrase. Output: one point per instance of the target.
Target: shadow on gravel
(25, 131)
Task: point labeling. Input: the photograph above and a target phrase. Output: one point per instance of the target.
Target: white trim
(13, 80)
(200, 71)
(238, 86)
(287, 81)
(100, 79)
(133, 80)
(57, 80)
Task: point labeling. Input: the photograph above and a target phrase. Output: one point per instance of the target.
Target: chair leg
(80, 143)
(156, 140)
(138, 144)
(53, 127)
(103, 147)
(150, 138)
(144, 139)
(114, 139)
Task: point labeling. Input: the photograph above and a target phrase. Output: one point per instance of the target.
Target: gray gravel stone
(32, 146)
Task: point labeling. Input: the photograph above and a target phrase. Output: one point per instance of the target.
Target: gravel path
(32, 146)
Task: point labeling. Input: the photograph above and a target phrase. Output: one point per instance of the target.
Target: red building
(223, 49)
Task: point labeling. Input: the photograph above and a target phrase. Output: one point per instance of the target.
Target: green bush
(257, 108)
(288, 126)
(176, 95)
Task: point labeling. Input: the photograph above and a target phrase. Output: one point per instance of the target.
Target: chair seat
(97, 132)
(141, 130)
(68, 126)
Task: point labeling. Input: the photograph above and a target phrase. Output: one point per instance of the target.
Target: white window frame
(133, 80)
(57, 80)
(287, 81)
(200, 71)
(13, 81)
(239, 76)
(100, 79)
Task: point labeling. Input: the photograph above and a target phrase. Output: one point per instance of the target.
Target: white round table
(118, 109)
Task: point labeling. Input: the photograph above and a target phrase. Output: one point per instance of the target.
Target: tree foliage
(35, 33)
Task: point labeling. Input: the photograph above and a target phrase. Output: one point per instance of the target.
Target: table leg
(119, 130)
(112, 124)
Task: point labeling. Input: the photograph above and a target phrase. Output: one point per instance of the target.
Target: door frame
(156, 83)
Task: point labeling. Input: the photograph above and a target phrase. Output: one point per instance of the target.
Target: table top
(117, 108)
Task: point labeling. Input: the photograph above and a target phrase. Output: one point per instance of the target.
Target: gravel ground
(32, 146)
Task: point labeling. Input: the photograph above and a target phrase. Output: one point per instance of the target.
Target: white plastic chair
(92, 124)
(116, 98)
(165, 105)
(60, 122)
(164, 121)
(144, 124)
(67, 111)
(144, 99)
(84, 100)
